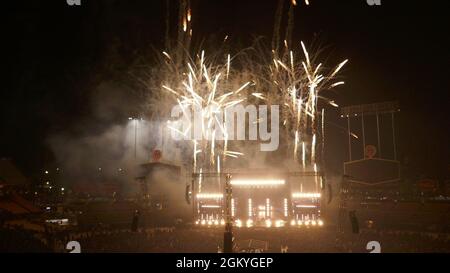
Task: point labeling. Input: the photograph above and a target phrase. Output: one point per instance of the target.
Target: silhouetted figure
(135, 222)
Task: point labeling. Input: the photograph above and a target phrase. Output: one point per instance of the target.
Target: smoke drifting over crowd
(100, 146)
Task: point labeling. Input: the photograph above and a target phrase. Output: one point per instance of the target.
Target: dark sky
(54, 55)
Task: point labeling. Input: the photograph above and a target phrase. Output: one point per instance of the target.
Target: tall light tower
(135, 135)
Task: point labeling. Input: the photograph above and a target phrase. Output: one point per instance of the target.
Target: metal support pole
(393, 136)
(378, 136)
(364, 136)
(342, 204)
(322, 157)
(228, 234)
(135, 138)
(349, 139)
(194, 198)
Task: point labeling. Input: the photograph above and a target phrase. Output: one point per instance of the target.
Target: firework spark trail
(315, 177)
(323, 134)
(313, 149)
(303, 155)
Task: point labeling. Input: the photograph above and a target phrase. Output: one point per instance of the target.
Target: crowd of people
(16, 239)
(150, 240)
(188, 239)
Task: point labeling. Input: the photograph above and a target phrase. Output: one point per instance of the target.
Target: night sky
(54, 56)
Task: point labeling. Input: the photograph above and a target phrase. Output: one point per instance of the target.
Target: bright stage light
(306, 223)
(249, 223)
(203, 222)
(238, 223)
(267, 207)
(279, 223)
(320, 222)
(313, 222)
(305, 206)
(222, 222)
(257, 182)
(216, 222)
(209, 196)
(285, 207)
(209, 222)
(293, 222)
(233, 212)
(211, 206)
(300, 222)
(306, 195)
(268, 223)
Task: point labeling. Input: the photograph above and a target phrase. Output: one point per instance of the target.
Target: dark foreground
(169, 240)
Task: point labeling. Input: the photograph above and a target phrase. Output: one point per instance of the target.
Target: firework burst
(208, 88)
(293, 78)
